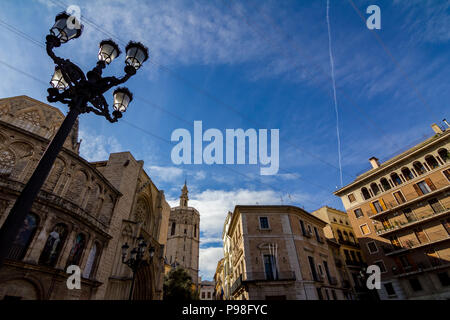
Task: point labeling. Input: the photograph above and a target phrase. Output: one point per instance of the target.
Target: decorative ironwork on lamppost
(136, 259)
(83, 94)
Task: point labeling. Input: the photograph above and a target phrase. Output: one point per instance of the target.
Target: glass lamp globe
(109, 50)
(66, 27)
(137, 54)
(58, 81)
(122, 98)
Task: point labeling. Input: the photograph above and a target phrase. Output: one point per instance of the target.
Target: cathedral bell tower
(184, 196)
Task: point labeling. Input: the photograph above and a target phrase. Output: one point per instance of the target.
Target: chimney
(436, 128)
(374, 162)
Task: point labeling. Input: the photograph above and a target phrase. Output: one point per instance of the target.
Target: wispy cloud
(97, 147)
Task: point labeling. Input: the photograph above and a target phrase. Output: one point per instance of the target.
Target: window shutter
(419, 192)
(382, 204)
(430, 184)
(374, 211)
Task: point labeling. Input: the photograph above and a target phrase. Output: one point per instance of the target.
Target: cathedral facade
(183, 237)
(82, 216)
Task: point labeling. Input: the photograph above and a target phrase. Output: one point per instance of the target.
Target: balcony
(237, 285)
(424, 266)
(354, 263)
(441, 185)
(416, 244)
(348, 243)
(413, 222)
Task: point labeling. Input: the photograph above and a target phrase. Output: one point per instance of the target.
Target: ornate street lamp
(83, 93)
(136, 259)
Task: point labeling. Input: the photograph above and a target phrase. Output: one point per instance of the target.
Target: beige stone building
(400, 211)
(280, 252)
(349, 260)
(82, 216)
(183, 237)
(219, 292)
(206, 290)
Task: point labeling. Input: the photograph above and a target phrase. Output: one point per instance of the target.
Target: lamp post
(136, 259)
(83, 94)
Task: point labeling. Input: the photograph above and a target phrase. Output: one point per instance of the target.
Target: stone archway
(20, 288)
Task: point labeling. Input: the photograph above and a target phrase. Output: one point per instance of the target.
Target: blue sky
(251, 64)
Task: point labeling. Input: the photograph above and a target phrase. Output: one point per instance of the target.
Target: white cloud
(97, 147)
(165, 174)
(208, 261)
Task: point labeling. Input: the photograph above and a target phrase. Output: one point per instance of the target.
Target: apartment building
(400, 213)
(349, 258)
(279, 253)
(219, 293)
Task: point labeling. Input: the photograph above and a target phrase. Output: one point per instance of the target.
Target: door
(420, 234)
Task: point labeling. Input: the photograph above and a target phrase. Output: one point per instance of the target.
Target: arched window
(420, 169)
(92, 262)
(375, 188)
(53, 245)
(444, 154)
(407, 174)
(396, 179)
(431, 161)
(385, 183)
(77, 250)
(172, 231)
(365, 193)
(24, 237)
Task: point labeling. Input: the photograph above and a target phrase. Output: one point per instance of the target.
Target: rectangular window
(358, 213)
(372, 246)
(415, 284)
(422, 188)
(447, 174)
(381, 265)
(327, 271)
(270, 267)
(328, 295)
(316, 232)
(399, 197)
(377, 206)
(319, 294)
(203, 295)
(312, 265)
(364, 229)
(209, 295)
(389, 289)
(302, 226)
(351, 197)
(264, 222)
